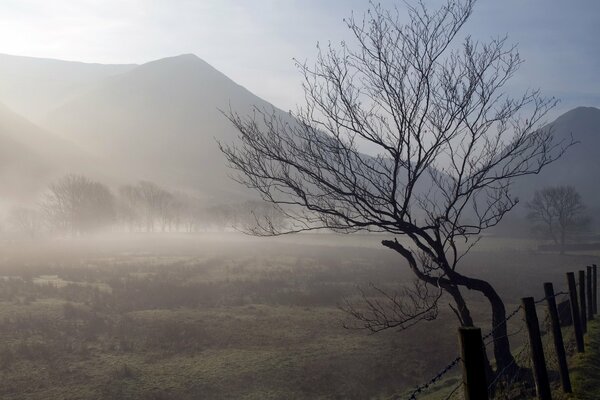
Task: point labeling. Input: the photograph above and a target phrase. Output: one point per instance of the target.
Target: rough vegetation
(179, 318)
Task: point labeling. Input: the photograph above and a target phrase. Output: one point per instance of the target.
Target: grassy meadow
(227, 316)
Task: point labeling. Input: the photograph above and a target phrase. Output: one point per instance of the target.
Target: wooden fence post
(590, 304)
(582, 301)
(540, 374)
(575, 312)
(595, 288)
(473, 364)
(559, 345)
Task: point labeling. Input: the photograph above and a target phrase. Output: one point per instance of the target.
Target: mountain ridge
(160, 121)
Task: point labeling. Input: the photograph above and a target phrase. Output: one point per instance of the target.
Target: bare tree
(27, 221)
(146, 204)
(129, 207)
(558, 212)
(75, 204)
(447, 141)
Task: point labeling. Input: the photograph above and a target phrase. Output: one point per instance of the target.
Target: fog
(168, 230)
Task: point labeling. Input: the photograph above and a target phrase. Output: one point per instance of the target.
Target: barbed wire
(512, 366)
(506, 368)
(514, 313)
(547, 297)
(419, 389)
(508, 335)
(494, 328)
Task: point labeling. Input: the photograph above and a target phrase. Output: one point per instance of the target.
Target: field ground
(586, 367)
(224, 316)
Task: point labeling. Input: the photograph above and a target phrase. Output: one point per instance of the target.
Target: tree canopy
(445, 140)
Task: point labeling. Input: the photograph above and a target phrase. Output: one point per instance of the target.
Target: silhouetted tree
(447, 141)
(76, 204)
(558, 212)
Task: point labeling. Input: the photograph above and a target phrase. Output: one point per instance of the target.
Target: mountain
(34, 86)
(160, 121)
(29, 157)
(580, 165)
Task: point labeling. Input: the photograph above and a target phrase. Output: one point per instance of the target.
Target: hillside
(578, 167)
(160, 121)
(33, 86)
(29, 156)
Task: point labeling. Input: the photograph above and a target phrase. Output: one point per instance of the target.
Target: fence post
(559, 345)
(540, 374)
(473, 363)
(595, 288)
(575, 311)
(590, 305)
(582, 301)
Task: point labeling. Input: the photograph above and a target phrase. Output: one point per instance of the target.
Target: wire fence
(516, 379)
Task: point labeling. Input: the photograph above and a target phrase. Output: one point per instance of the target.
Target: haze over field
(401, 179)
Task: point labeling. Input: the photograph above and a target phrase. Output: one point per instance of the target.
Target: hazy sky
(254, 41)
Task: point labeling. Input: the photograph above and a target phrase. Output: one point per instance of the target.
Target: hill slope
(30, 157)
(34, 86)
(160, 121)
(580, 165)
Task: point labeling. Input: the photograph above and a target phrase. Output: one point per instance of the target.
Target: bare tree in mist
(144, 204)
(148, 207)
(76, 205)
(26, 221)
(558, 213)
(449, 142)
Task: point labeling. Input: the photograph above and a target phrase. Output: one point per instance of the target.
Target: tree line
(76, 205)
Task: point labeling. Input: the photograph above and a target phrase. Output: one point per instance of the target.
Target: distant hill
(160, 121)
(34, 86)
(29, 157)
(578, 167)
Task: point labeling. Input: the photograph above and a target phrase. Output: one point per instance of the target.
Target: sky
(254, 42)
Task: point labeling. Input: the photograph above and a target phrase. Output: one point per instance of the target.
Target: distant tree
(27, 221)
(190, 212)
(557, 213)
(448, 141)
(129, 207)
(146, 204)
(76, 205)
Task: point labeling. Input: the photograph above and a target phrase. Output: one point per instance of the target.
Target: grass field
(189, 317)
(586, 367)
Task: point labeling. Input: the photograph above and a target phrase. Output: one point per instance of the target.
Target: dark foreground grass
(586, 366)
(194, 318)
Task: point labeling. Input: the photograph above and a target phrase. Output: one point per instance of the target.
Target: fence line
(548, 355)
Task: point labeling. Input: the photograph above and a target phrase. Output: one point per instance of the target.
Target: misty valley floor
(188, 317)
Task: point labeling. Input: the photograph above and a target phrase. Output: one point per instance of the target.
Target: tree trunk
(501, 344)
(451, 285)
(462, 311)
(464, 315)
